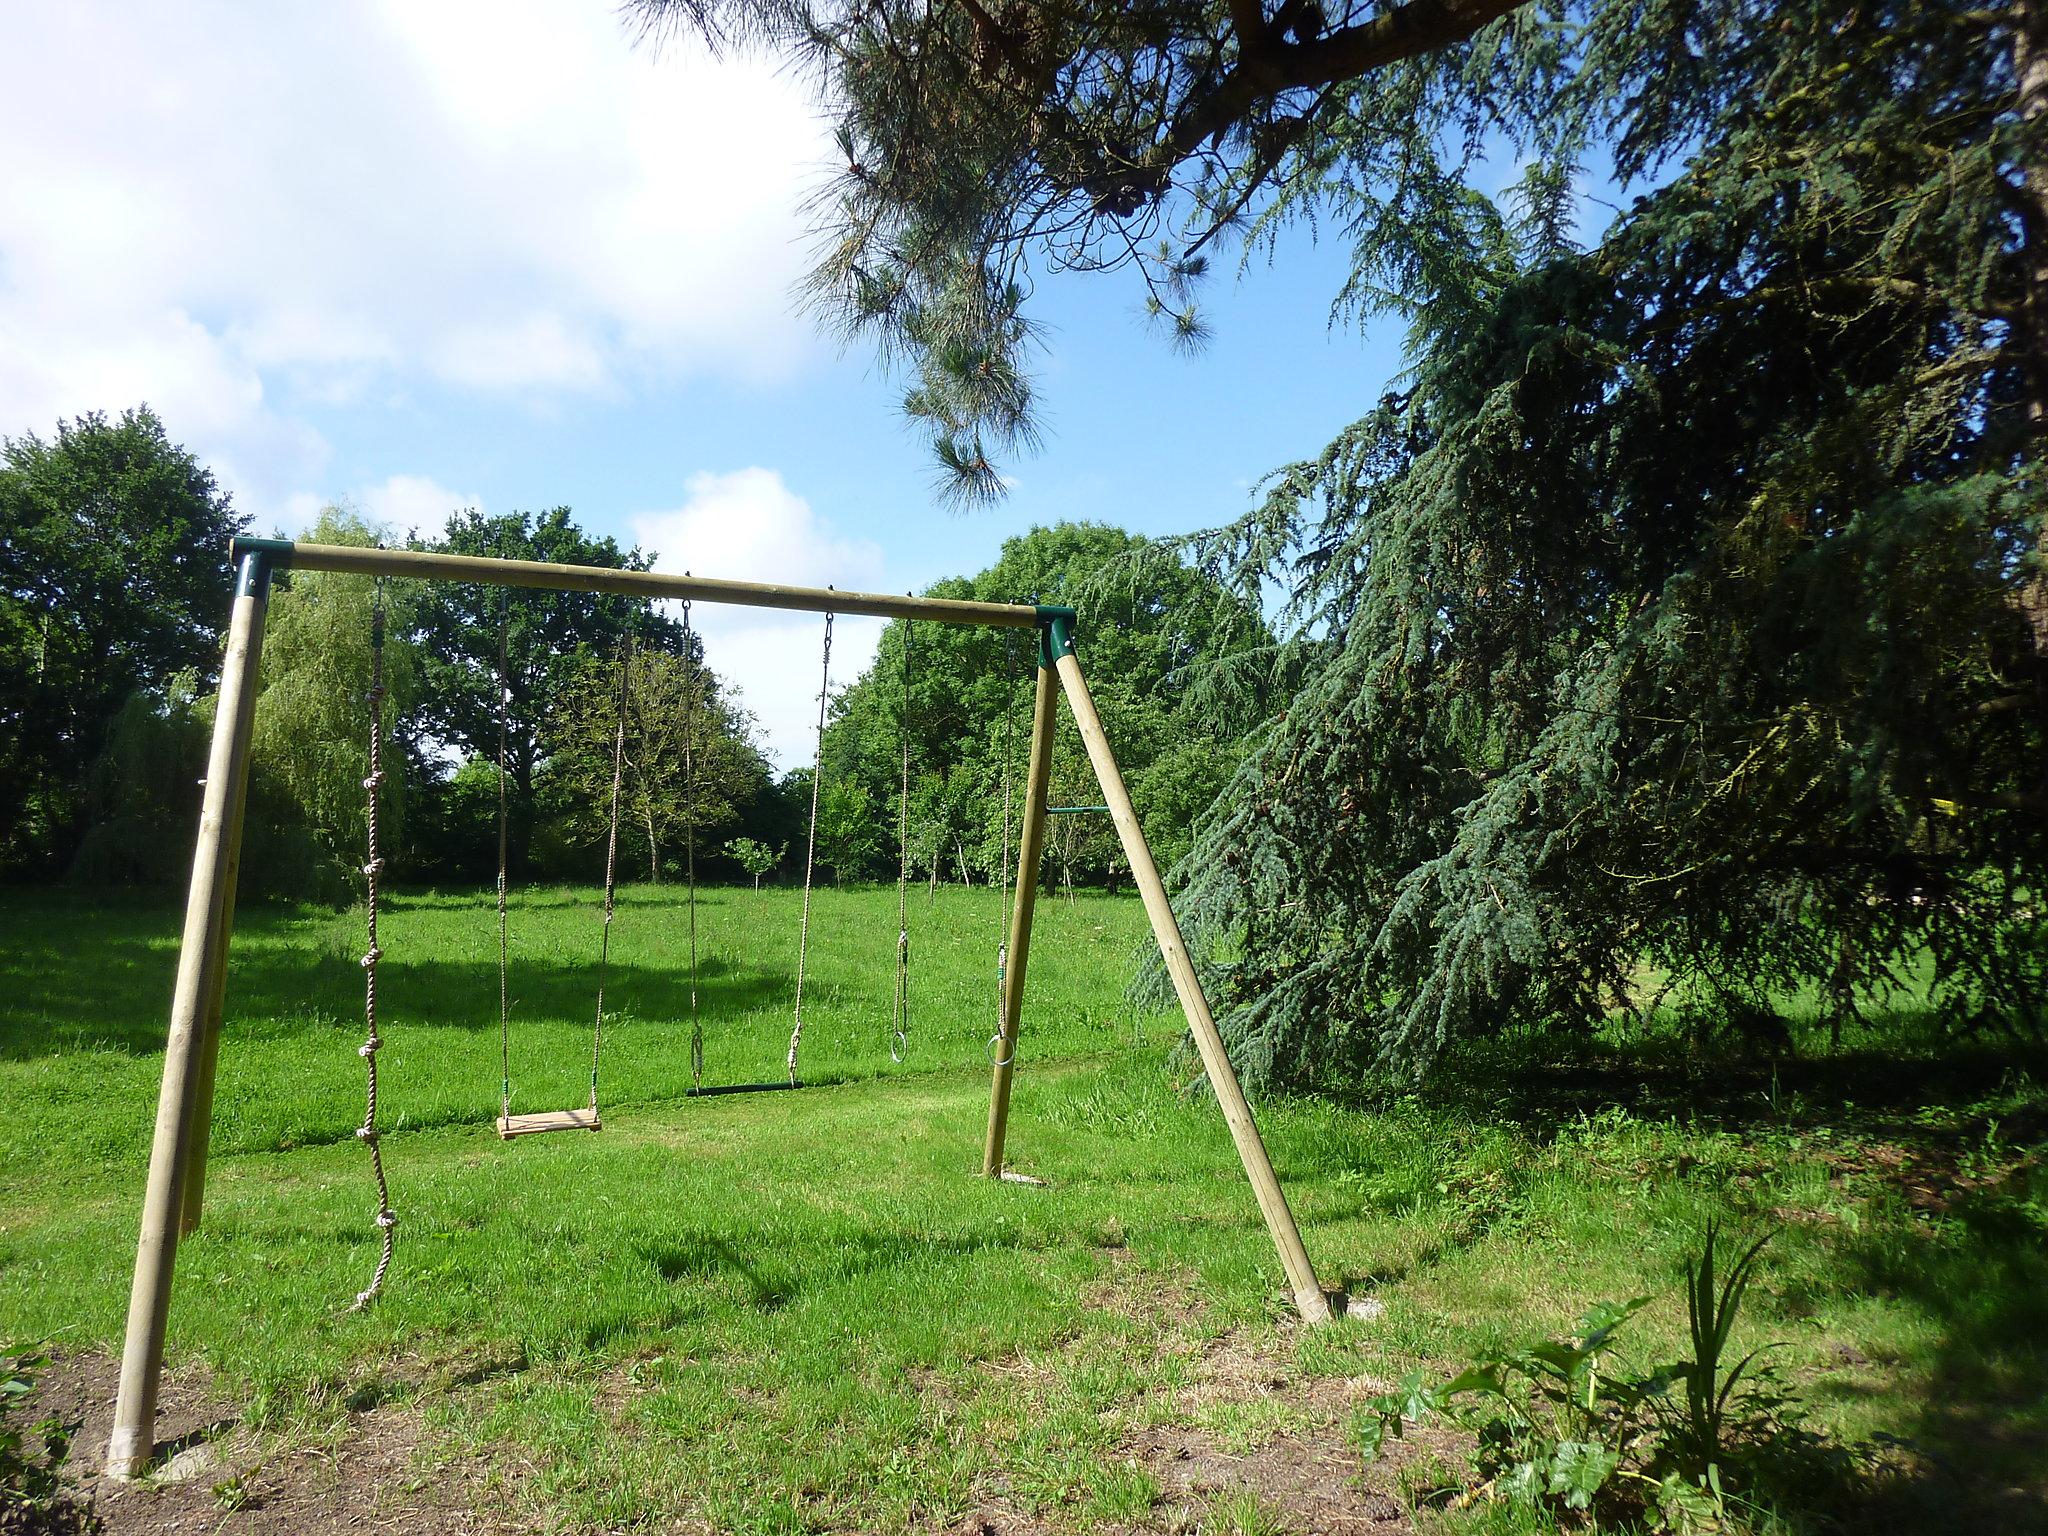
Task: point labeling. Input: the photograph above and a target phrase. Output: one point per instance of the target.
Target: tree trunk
(2029, 21)
(653, 852)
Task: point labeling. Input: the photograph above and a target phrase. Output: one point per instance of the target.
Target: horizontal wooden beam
(419, 565)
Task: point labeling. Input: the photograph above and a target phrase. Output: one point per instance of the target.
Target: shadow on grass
(1981, 1429)
(121, 1003)
(1541, 1084)
(1953, 1128)
(771, 1280)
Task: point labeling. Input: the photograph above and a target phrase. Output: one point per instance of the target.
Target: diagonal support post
(1017, 950)
(1309, 1296)
(201, 953)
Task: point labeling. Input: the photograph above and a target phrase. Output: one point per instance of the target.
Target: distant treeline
(114, 591)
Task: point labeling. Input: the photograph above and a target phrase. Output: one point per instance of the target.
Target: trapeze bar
(424, 566)
(1073, 810)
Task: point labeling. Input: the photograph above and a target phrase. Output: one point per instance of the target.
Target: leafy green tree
(690, 762)
(114, 580)
(754, 856)
(856, 835)
(310, 745)
(547, 636)
(142, 795)
(1153, 627)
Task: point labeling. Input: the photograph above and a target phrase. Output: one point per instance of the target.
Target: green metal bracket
(277, 551)
(1055, 633)
(255, 560)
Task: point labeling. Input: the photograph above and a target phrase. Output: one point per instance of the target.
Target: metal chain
(803, 941)
(899, 1042)
(504, 854)
(373, 866)
(611, 864)
(693, 675)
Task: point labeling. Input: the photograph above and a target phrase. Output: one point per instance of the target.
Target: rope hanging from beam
(899, 1041)
(803, 940)
(611, 863)
(373, 866)
(692, 680)
(504, 861)
(999, 1051)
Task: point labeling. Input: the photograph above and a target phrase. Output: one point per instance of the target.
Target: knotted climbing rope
(373, 866)
(504, 862)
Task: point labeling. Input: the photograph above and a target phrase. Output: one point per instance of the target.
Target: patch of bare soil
(1246, 1423)
(220, 1480)
(1304, 1469)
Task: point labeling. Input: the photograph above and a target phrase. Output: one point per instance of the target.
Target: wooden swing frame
(175, 1192)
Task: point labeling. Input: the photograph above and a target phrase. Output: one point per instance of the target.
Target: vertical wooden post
(209, 1040)
(1309, 1297)
(200, 953)
(1030, 848)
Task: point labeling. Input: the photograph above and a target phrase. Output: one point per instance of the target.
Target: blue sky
(412, 258)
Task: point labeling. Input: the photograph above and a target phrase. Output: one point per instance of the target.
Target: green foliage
(754, 856)
(548, 637)
(34, 1497)
(981, 145)
(690, 766)
(1609, 662)
(142, 798)
(1164, 647)
(310, 744)
(113, 582)
(1566, 1424)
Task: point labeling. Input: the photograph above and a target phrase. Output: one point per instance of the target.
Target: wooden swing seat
(548, 1120)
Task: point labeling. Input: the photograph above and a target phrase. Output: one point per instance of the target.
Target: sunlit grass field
(801, 1311)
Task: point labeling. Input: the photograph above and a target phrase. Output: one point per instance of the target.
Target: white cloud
(409, 503)
(205, 204)
(749, 526)
(402, 505)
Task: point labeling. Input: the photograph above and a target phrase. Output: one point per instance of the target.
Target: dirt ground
(220, 1478)
(381, 1474)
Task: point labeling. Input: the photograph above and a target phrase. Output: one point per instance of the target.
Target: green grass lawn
(801, 1311)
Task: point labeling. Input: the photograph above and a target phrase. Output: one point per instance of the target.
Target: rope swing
(693, 675)
(899, 1041)
(587, 1118)
(611, 868)
(803, 939)
(999, 1050)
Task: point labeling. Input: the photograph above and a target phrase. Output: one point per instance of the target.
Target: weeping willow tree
(1682, 613)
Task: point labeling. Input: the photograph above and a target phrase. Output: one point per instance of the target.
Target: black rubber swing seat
(546, 1120)
(724, 1088)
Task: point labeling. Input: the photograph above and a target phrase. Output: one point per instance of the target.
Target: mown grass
(800, 1311)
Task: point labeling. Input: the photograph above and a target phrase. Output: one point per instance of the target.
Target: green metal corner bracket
(1055, 633)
